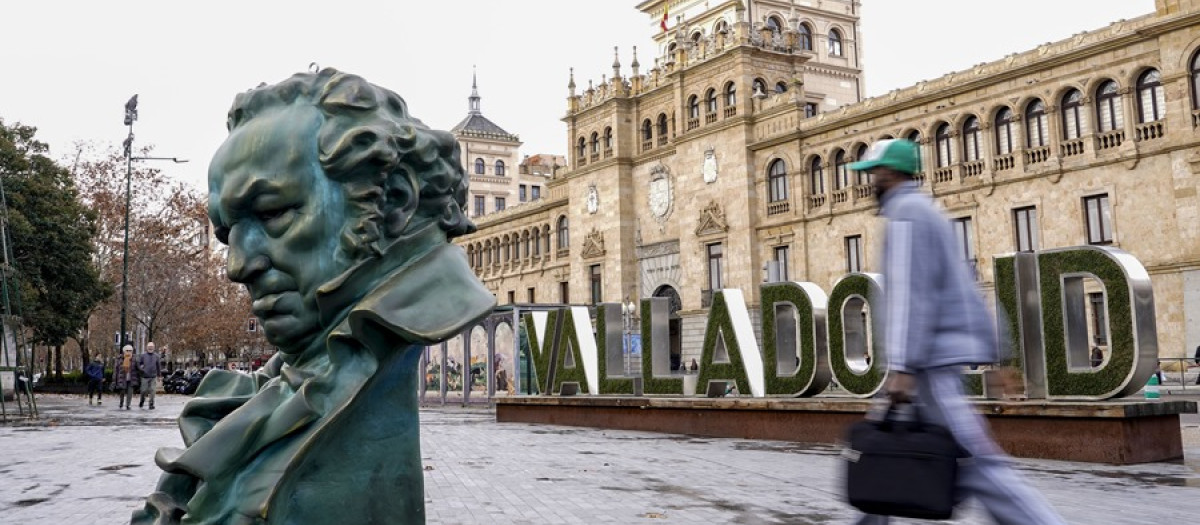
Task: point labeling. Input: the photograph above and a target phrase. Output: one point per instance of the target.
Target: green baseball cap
(899, 154)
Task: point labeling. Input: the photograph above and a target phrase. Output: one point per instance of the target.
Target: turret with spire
(477, 125)
(473, 100)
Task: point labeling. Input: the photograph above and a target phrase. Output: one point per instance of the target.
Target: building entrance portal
(676, 326)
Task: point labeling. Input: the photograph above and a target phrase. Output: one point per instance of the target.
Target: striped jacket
(933, 315)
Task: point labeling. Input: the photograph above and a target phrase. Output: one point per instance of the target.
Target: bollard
(1151, 389)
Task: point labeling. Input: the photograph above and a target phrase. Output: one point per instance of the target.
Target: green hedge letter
(730, 351)
(849, 334)
(794, 339)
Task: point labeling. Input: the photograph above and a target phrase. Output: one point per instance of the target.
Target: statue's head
(319, 173)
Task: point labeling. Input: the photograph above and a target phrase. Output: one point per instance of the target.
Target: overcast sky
(68, 67)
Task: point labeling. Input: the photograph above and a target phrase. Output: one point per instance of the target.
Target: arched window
(721, 27)
(580, 149)
(805, 36)
(1152, 100)
(607, 138)
(647, 130)
(774, 25)
(479, 166)
(671, 52)
(537, 243)
(945, 153)
(693, 107)
(777, 183)
(499, 168)
(816, 177)
(564, 240)
(1037, 132)
(971, 150)
(835, 43)
(1074, 120)
(1194, 75)
(730, 95)
(595, 142)
(781, 87)
(861, 177)
(1109, 113)
(760, 87)
(914, 136)
(662, 125)
(1004, 131)
(527, 251)
(504, 250)
(696, 37)
(841, 171)
(711, 101)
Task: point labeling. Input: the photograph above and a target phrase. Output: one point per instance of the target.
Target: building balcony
(1149, 131)
(662, 140)
(730, 111)
(581, 162)
(841, 196)
(863, 191)
(972, 169)
(778, 207)
(693, 123)
(1003, 162)
(816, 201)
(943, 175)
(1110, 139)
(1071, 148)
(710, 118)
(1036, 155)
(647, 145)
(608, 153)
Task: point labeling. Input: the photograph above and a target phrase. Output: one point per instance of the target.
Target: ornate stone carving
(709, 166)
(593, 245)
(712, 220)
(661, 193)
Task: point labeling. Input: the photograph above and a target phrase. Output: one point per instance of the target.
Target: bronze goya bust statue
(337, 207)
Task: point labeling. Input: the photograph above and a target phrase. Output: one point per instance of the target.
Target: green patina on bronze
(337, 207)
(720, 328)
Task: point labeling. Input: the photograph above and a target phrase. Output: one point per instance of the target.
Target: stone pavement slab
(85, 465)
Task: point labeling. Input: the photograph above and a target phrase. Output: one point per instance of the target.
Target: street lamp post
(131, 115)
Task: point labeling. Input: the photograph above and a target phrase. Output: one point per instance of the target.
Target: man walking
(934, 322)
(148, 366)
(95, 378)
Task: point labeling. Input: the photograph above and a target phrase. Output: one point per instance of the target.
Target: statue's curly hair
(370, 144)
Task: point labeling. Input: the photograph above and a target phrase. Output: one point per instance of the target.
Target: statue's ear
(401, 196)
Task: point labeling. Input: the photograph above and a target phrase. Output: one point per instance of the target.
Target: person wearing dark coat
(94, 371)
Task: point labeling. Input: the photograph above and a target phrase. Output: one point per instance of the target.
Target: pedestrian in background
(124, 377)
(149, 365)
(934, 323)
(95, 378)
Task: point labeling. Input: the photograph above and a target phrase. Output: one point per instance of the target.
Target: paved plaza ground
(85, 464)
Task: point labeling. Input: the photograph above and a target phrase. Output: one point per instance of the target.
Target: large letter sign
(1043, 300)
(794, 342)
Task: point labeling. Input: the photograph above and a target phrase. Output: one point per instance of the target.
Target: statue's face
(281, 217)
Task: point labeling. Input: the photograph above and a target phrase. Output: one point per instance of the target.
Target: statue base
(1120, 432)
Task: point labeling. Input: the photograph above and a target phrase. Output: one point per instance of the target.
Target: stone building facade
(489, 156)
(731, 153)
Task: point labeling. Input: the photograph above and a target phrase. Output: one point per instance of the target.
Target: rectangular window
(530, 297)
(810, 110)
(512, 296)
(499, 203)
(781, 257)
(564, 292)
(537, 192)
(479, 205)
(521, 193)
(1098, 217)
(854, 253)
(1025, 227)
(965, 235)
(1099, 323)
(596, 283)
(714, 267)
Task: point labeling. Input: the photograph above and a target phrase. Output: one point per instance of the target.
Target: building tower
(489, 156)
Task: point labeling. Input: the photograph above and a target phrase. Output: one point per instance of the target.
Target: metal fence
(1182, 371)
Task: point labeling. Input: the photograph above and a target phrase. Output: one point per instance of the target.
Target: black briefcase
(902, 468)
